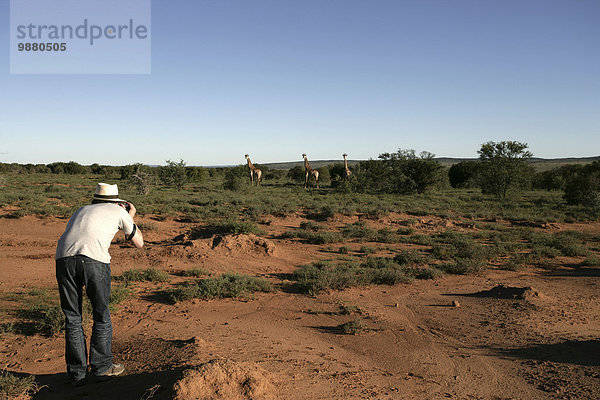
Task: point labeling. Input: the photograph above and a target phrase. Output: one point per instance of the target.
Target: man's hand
(130, 208)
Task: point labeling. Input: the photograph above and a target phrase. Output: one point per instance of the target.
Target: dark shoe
(114, 370)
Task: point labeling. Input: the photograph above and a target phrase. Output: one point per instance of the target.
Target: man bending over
(82, 259)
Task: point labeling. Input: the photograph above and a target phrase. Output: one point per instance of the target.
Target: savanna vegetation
(500, 198)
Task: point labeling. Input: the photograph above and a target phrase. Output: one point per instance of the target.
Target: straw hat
(107, 192)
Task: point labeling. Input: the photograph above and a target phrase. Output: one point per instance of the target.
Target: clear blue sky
(279, 78)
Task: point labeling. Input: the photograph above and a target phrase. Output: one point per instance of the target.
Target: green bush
(7, 329)
(319, 276)
(410, 257)
(465, 266)
(402, 172)
(428, 273)
(504, 167)
(224, 286)
(353, 327)
(173, 174)
(385, 235)
(358, 230)
(14, 387)
(591, 261)
(196, 272)
(584, 188)
(325, 213)
(47, 319)
(236, 178)
(118, 294)
(227, 227)
(366, 250)
(344, 250)
(346, 309)
(311, 237)
(144, 275)
(464, 174)
(311, 226)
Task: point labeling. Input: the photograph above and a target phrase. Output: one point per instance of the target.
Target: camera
(127, 206)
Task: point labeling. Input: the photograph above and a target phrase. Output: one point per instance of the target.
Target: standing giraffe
(348, 172)
(253, 171)
(309, 171)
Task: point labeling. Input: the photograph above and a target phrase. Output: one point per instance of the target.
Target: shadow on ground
(584, 353)
(155, 385)
(575, 270)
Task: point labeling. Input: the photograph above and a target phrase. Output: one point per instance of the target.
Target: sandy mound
(225, 379)
(510, 292)
(244, 243)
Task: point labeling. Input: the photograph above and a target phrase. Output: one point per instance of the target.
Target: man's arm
(138, 238)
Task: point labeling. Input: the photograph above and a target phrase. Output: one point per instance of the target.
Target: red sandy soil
(503, 344)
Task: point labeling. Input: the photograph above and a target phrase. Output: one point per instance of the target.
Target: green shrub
(147, 226)
(224, 286)
(402, 172)
(366, 250)
(584, 188)
(568, 244)
(118, 294)
(465, 266)
(325, 213)
(349, 309)
(385, 235)
(519, 261)
(7, 329)
(353, 327)
(144, 275)
(405, 231)
(227, 227)
(344, 250)
(358, 230)
(463, 174)
(173, 174)
(543, 252)
(591, 261)
(410, 257)
(319, 276)
(13, 387)
(503, 167)
(196, 272)
(47, 319)
(236, 178)
(313, 237)
(428, 273)
(311, 226)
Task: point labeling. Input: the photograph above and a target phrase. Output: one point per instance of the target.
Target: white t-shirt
(91, 229)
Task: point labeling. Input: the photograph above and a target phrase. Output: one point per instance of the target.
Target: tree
(557, 178)
(296, 174)
(463, 174)
(504, 167)
(143, 179)
(584, 189)
(174, 173)
(236, 178)
(406, 173)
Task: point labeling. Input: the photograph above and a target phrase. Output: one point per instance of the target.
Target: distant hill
(540, 164)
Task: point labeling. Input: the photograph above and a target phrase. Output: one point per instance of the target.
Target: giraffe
(309, 171)
(348, 172)
(253, 171)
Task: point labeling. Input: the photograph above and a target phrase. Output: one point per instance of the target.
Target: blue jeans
(72, 274)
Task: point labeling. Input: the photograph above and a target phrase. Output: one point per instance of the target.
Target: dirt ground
(452, 338)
